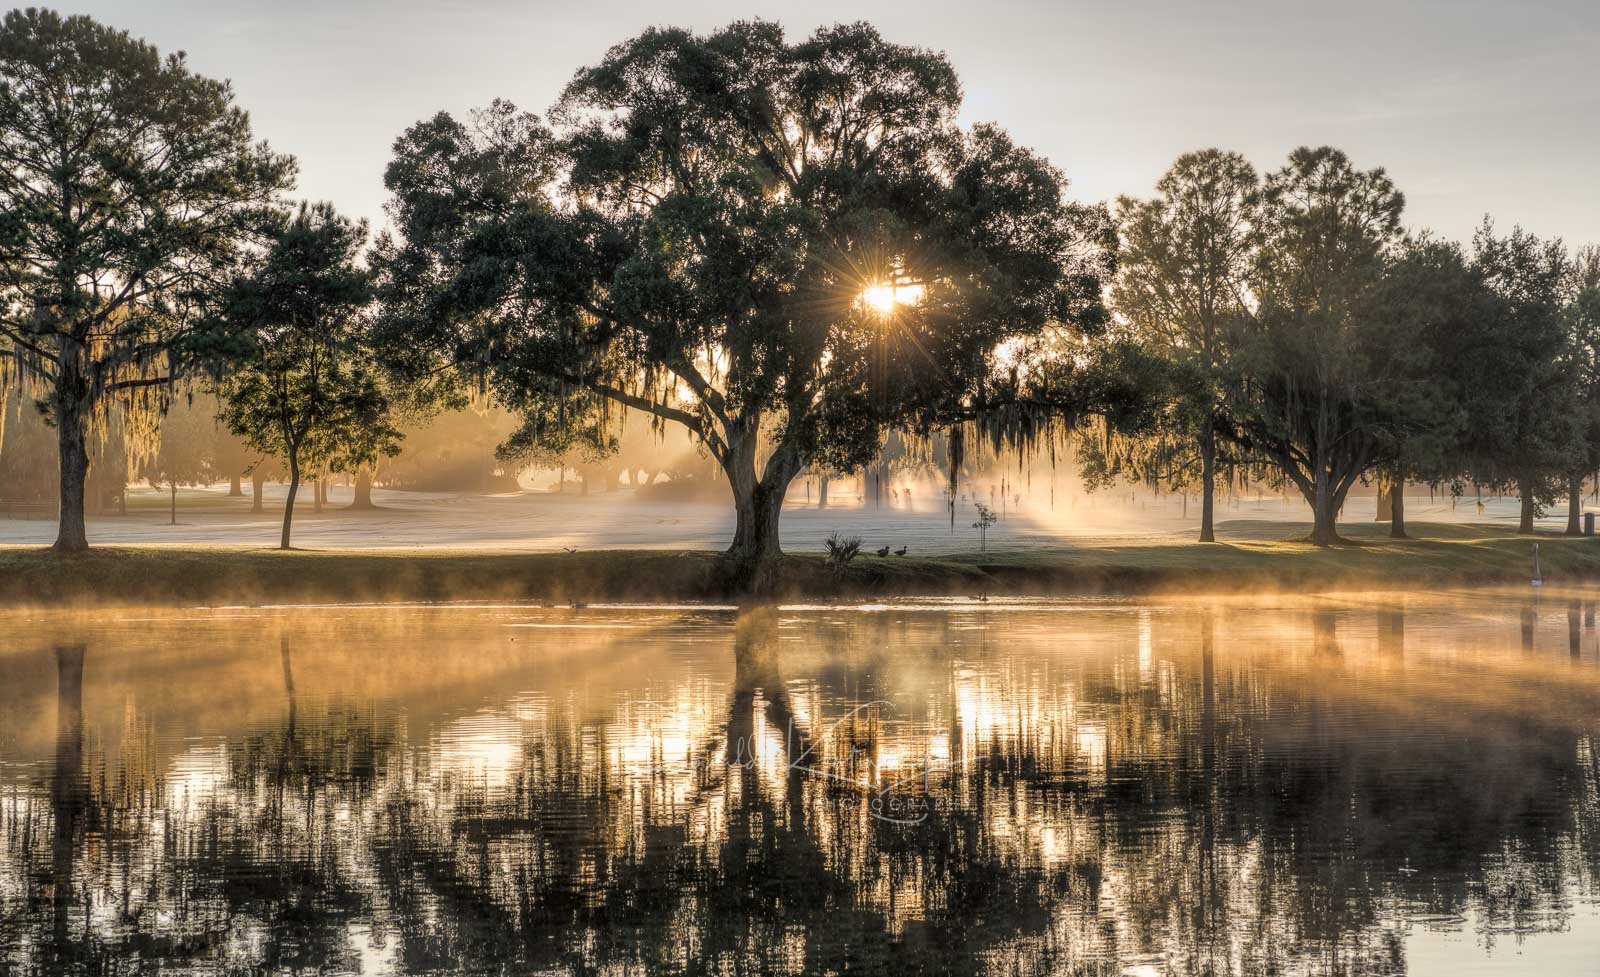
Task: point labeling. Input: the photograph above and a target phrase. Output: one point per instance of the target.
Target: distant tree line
(1313, 342)
(789, 250)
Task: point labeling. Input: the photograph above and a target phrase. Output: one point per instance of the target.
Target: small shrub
(842, 549)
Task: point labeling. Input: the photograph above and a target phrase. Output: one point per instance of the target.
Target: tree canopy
(784, 247)
(1314, 353)
(1183, 283)
(128, 186)
(305, 387)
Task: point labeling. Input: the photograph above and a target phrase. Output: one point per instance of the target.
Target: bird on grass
(570, 549)
(884, 551)
(901, 551)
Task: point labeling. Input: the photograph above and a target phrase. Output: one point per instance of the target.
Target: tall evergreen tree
(1182, 280)
(127, 186)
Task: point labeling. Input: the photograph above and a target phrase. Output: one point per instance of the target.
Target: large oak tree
(784, 247)
(1318, 352)
(127, 185)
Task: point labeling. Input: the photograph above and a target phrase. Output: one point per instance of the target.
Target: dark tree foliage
(127, 187)
(1183, 281)
(1583, 339)
(1430, 303)
(784, 247)
(1316, 353)
(1523, 428)
(305, 387)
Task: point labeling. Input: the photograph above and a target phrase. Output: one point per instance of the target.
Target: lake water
(1366, 784)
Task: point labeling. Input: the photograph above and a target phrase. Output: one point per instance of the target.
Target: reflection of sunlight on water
(1146, 652)
(198, 773)
(650, 740)
(377, 953)
(484, 748)
(484, 805)
(1090, 743)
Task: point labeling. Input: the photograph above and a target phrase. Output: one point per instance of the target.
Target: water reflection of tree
(1153, 797)
(768, 865)
(258, 865)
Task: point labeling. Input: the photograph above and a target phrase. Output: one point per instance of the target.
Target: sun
(883, 298)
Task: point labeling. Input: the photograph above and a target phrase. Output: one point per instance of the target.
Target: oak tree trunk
(755, 552)
(1525, 523)
(363, 490)
(1323, 529)
(258, 482)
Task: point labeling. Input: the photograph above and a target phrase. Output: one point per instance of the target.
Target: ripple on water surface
(1362, 784)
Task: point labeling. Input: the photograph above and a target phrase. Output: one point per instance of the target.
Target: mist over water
(1367, 784)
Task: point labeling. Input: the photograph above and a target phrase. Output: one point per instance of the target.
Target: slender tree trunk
(258, 482)
(71, 531)
(288, 502)
(1525, 486)
(1575, 505)
(174, 507)
(235, 489)
(822, 492)
(1397, 508)
(317, 493)
(363, 496)
(1208, 479)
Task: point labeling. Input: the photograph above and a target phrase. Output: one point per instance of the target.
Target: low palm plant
(842, 549)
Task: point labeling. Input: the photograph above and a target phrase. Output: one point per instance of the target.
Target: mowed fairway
(570, 548)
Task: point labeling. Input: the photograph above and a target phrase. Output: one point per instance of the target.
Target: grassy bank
(1255, 557)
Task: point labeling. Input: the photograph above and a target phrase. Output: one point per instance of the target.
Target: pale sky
(1473, 107)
